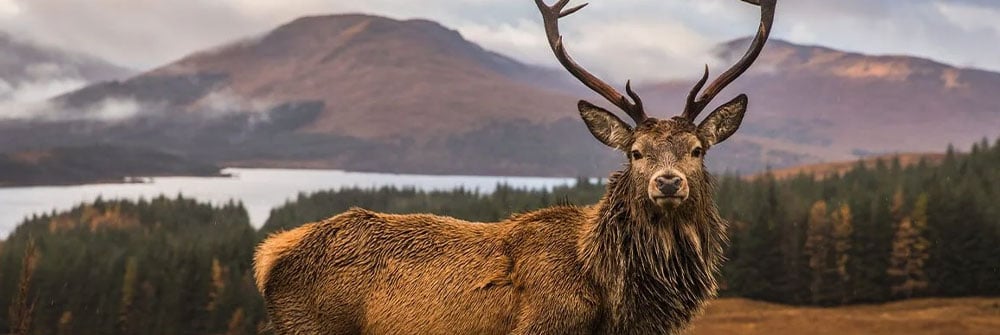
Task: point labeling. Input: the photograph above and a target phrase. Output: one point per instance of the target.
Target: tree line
(177, 266)
(872, 234)
(159, 266)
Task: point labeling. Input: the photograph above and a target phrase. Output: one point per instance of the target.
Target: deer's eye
(697, 152)
(636, 155)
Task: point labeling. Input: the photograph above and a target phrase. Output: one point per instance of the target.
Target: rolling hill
(376, 78)
(369, 93)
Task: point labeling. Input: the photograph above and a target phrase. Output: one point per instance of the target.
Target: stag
(643, 260)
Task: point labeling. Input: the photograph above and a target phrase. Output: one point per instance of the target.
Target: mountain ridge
(369, 93)
(823, 104)
(423, 53)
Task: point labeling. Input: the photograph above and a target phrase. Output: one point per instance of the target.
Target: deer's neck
(655, 267)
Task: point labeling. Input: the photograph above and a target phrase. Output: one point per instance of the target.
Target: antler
(694, 107)
(551, 16)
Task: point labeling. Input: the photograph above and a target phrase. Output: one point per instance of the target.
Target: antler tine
(635, 96)
(695, 107)
(694, 94)
(550, 17)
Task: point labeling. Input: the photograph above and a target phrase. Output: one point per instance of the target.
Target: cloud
(9, 8)
(947, 31)
(25, 99)
(107, 110)
(625, 39)
(29, 100)
(34, 91)
(6, 89)
(224, 102)
(971, 17)
(112, 109)
(642, 39)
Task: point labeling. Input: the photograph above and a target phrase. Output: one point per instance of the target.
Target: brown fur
(273, 248)
(623, 266)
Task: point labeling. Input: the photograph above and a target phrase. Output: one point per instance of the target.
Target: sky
(639, 39)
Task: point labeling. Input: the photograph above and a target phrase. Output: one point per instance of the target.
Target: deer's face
(666, 157)
(667, 153)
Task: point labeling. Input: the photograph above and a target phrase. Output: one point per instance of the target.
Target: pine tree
(909, 249)
(819, 250)
(21, 310)
(843, 230)
(236, 323)
(128, 294)
(218, 285)
(65, 323)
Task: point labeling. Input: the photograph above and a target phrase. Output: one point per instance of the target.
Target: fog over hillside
(31, 73)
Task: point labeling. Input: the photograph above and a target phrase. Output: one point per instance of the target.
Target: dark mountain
(90, 164)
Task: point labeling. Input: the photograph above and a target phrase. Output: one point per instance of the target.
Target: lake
(260, 190)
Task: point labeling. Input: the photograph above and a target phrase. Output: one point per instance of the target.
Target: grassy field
(967, 316)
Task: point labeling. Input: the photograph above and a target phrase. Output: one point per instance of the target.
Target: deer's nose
(669, 184)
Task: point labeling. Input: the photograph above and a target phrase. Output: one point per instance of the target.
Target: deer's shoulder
(548, 226)
(358, 224)
(556, 216)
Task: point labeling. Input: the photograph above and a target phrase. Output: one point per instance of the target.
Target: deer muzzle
(668, 189)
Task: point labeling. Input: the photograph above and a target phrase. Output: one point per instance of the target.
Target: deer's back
(384, 273)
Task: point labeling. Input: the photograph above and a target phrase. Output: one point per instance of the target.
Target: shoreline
(113, 181)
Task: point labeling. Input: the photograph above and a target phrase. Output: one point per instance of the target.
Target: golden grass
(970, 316)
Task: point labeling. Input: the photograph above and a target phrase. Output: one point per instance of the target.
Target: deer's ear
(606, 127)
(724, 121)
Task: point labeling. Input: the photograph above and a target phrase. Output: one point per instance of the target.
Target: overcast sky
(642, 39)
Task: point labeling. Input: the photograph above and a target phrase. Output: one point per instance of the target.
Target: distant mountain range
(32, 71)
(811, 104)
(369, 93)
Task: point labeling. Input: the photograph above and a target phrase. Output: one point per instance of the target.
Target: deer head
(665, 154)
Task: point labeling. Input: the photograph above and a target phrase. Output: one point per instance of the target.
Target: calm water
(258, 189)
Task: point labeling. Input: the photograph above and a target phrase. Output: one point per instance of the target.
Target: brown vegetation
(939, 316)
(94, 219)
(824, 170)
(23, 304)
